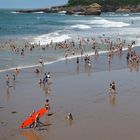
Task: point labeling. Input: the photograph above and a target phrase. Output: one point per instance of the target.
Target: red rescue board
(31, 118)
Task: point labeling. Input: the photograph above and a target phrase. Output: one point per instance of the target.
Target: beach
(81, 91)
(83, 56)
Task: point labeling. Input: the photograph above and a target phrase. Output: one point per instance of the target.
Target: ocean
(42, 29)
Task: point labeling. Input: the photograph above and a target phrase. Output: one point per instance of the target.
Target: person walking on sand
(32, 125)
(47, 105)
(36, 122)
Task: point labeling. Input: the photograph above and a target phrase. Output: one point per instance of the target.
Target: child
(69, 116)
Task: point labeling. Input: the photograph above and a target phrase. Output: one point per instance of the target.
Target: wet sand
(79, 90)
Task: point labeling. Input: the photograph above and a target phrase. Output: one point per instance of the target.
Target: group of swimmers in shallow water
(14, 75)
(69, 47)
(79, 46)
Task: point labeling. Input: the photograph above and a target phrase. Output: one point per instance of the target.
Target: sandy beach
(77, 89)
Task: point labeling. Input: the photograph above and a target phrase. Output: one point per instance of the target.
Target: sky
(30, 3)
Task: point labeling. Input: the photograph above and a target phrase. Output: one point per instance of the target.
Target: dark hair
(47, 100)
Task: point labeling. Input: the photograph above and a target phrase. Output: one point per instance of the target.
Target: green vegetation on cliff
(104, 2)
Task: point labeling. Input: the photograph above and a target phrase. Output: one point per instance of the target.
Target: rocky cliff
(93, 9)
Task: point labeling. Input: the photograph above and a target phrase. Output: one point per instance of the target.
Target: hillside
(92, 7)
(110, 5)
(104, 2)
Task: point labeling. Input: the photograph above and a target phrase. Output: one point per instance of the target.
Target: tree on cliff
(104, 2)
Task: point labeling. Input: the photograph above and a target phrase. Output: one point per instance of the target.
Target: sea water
(43, 28)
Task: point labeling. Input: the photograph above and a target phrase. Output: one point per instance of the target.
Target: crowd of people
(74, 48)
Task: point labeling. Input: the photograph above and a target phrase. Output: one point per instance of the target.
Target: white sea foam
(19, 67)
(48, 38)
(99, 23)
(89, 54)
(27, 66)
(39, 12)
(14, 12)
(116, 14)
(62, 12)
(134, 18)
(60, 59)
(137, 41)
(81, 26)
(107, 23)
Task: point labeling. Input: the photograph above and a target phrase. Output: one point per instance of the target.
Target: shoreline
(79, 71)
(70, 57)
(84, 94)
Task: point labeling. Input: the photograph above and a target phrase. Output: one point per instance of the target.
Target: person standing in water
(41, 61)
(7, 81)
(45, 79)
(14, 77)
(112, 87)
(16, 71)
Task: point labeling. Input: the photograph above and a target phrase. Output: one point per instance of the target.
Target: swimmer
(16, 71)
(41, 61)
(36, 71)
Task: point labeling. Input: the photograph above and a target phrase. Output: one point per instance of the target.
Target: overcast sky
(30, 3)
